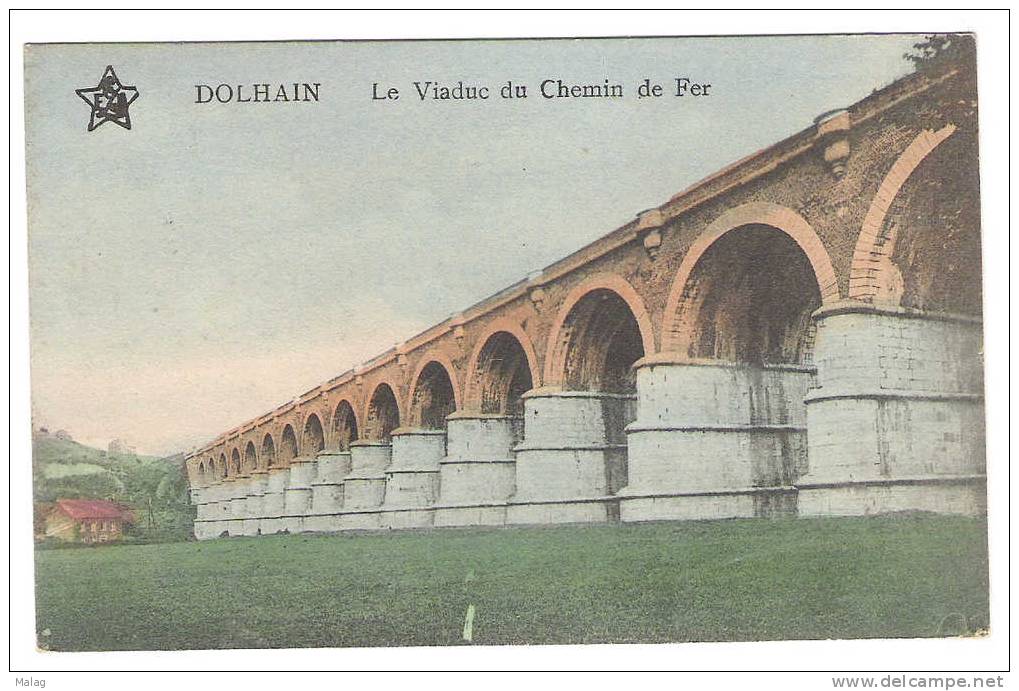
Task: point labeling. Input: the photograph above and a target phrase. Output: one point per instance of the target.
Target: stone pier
(570, 463)
(253, 505)
(364, 488)
(274, 502)
(478, 475)
(297, 496)
(715, 440)
(327, 491)
(238, 505)
(412, 479)
(896, 421)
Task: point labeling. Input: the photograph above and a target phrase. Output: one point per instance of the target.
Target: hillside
(155, 488)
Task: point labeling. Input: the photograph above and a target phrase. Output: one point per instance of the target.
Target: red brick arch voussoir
(676, 330)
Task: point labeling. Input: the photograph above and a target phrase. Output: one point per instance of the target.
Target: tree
(938, 51)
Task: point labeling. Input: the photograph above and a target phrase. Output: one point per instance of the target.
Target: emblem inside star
(109, 100)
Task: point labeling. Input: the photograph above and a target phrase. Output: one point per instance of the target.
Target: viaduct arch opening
(749, 299)
(603, 330)
(313, 438)
(268, 457)
(600, 342)
(344, 425)
(434, 397)
(383, 414)
(502, 374)
(733, 383)
(288, 446)
(250, 458)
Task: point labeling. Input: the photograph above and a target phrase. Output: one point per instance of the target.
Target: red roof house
(87, 520)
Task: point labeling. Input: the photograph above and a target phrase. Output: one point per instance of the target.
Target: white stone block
(451, 516)
(369, 457)
(481, 437)
(561, 512)
(417, 449)
(365, 492)
(332, 466)
(476, 482)
(326, 497)
(573, 446)
(411, 488)
(899, 411)
(403, 519)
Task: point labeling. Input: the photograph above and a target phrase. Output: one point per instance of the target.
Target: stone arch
(778, 230)
(344, 426)
(250, 457)
(267, 458)
(235, 461)
(433, 394)
(873, 276)
(602, 322)
(222, 469)
(289, 448)
(313, 438)
(382, 414)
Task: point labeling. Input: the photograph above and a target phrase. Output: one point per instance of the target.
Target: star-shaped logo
(109, 100)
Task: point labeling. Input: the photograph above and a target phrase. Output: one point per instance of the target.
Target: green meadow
(909, 575)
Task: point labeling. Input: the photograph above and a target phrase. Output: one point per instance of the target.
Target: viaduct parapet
(799, 333)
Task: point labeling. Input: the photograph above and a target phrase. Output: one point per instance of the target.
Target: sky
(217, 260)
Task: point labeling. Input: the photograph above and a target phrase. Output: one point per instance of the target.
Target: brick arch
(221, 470)
(250, 459)
(368, 432)
(263, 462)
(308, 431)
(872, 275)
(555, 352)
(346, 403)
(235, 461)
(675, 327)
(472, 387)
(283, 442)
(446, 364)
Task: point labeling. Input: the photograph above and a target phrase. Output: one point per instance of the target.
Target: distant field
(47, 450)
(57, 470)
(890, 576)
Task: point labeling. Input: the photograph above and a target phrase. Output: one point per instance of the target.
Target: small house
(87, 520)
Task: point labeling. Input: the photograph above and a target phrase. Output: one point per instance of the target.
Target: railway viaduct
(799, 333)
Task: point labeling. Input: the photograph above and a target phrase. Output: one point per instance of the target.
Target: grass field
(889, 576)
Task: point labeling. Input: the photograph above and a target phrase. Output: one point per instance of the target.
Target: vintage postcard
(506, 342)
